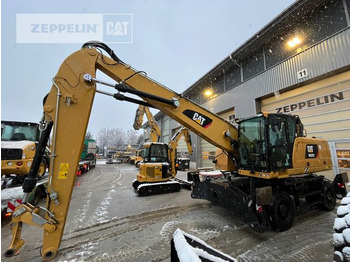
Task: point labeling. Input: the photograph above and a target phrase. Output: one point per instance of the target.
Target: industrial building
(299, 63)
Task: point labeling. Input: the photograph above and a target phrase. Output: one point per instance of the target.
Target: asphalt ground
(107, 221)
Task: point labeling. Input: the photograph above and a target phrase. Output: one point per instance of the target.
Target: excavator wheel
(42, 169)
(329, 197)
(282, 212)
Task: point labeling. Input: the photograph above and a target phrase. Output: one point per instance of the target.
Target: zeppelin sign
(331, 98)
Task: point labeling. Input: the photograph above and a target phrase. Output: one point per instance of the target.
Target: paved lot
(107, 221)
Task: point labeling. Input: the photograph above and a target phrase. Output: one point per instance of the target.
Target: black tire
(329, 197)
(282, 212)
(42, 168)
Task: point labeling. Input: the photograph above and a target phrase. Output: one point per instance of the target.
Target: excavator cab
(156, 152)
(266, 142)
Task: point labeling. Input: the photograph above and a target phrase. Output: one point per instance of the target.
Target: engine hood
(16, 144)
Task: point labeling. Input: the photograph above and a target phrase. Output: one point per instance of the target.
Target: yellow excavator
(154, 131)
(271, 165)
(158, 168)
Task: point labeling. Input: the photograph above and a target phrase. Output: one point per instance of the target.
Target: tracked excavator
(271, 165)
(157, 171)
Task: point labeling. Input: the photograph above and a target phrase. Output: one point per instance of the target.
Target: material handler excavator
(270, 163)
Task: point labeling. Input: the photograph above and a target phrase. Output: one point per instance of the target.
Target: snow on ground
(167, 229)
(101, 213)
(81, 214)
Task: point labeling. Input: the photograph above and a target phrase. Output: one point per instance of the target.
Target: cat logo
(198, 118)
(311, 151)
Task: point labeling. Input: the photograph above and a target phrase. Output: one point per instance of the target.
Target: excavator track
(147, 189)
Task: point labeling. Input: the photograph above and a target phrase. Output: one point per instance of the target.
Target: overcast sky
(175, 42)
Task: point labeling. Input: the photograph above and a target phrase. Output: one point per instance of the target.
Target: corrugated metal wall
(325, 57)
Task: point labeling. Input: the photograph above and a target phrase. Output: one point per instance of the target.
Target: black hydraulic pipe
(132, 100)
(104, 47)
(30, 181)
(123, 88)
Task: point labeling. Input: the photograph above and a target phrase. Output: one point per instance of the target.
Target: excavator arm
(173, 145)
(67, 110)
(155, 130)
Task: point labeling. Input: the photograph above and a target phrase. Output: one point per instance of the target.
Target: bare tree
(103, 138)
(131, 137)
(140, 139)
(89, 135)
(117, 137)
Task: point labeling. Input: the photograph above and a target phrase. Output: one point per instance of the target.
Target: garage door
(324, 109)
(208, 150)
(323, 106)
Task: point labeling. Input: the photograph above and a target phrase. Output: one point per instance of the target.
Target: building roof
(295, 13)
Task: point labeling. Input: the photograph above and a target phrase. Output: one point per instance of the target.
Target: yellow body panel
(223, 162)
(11, 166)
(151, 172)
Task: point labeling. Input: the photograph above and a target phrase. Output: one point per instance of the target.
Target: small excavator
(270, 163)
(158, 168)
